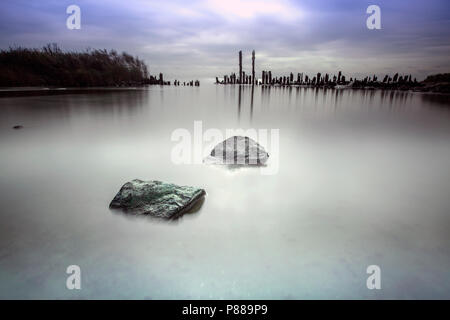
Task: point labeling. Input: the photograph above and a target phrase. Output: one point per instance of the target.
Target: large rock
(238, 150)
(156, 198)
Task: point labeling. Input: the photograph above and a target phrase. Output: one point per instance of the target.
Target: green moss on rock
(156, 198)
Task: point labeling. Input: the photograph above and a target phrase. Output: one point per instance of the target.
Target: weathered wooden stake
(253, 67)
(240, 66)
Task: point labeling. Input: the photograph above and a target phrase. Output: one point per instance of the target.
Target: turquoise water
(362, 179)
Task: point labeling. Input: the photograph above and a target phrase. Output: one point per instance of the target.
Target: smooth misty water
(363, 179)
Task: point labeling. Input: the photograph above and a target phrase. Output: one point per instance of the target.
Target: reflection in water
(363, 178)
(251, 102)
(239, 102)
(437, 99)
(265, 95)
(62, 108)
(321, 99)
(336, 98)
(242, 89)
(236, 167)
(332, 99)
(192, 213)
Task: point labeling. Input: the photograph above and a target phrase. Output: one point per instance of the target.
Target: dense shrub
(441, 77)
(50, 66)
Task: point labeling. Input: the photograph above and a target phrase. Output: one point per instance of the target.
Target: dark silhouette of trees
(50, 66)
(436, 78)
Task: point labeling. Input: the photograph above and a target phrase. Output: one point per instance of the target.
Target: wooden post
(253, 67)
(240, 66)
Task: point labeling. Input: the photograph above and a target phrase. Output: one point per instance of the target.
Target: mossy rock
(157, 199)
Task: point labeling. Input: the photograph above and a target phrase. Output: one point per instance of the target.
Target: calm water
(363, 179)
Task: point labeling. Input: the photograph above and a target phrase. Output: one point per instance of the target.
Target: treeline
(50, 66)
(438, 78)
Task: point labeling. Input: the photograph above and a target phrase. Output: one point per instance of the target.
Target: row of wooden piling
(325, 80)
(191, 83)
(242, 78)
(153, 80)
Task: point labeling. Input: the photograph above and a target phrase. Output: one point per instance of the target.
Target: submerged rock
(156, 198)
(238, 150)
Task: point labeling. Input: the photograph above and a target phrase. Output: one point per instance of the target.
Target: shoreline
(46, 91)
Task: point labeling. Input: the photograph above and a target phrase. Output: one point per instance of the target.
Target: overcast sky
(191, 39)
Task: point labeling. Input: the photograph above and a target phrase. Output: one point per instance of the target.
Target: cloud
(201, 38)
(250, 9)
